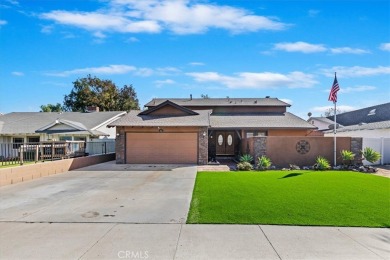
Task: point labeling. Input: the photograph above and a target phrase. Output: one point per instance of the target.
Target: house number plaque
(303, 147)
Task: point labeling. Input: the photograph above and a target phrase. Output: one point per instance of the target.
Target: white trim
(112, 119)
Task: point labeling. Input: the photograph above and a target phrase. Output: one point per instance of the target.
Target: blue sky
(284, 49)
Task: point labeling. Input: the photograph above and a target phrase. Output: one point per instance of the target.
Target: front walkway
(181, 241)
(383, 170)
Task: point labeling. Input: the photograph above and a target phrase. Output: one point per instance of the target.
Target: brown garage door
(153, 148)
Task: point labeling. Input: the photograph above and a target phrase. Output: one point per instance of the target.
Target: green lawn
(330, 198)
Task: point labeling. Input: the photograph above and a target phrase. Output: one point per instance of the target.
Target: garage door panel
(152, 148)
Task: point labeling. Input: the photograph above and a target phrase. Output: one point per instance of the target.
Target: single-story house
(369, 122)
(33, 127)
(195, 131)
(321, 122)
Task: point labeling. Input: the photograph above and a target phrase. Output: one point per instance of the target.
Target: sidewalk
(19, 240)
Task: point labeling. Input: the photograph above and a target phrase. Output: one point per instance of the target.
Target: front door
(225, 143)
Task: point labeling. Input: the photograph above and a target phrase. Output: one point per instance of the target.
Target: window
(65, 138)
(17, 142)
(220, 139)
(33, 139)
(79, 138)
(255, 133)
(229, 140)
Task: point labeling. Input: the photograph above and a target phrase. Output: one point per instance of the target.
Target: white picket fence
(381, 145)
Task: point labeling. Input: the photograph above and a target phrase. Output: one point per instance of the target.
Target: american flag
(333, 91)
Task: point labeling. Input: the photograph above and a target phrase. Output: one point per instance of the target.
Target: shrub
(321, 164)
(370, 155)
(347, 156)
(246, 158)
(244, 166)
(263, 163)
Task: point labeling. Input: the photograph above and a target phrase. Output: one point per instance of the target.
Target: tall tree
(92, 91)
(51, 108)
(330, 112)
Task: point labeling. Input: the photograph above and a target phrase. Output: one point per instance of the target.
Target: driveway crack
(177, 244)
(269, 242)
(359, 243)
(97, 241)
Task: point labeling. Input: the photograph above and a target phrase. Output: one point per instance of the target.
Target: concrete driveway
(110, 211)
(103, 193)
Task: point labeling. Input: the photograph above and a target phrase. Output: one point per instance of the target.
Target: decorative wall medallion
(303, 147)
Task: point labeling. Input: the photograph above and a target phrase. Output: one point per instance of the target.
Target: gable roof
(324, 120)
(168, 103)
(220, 102)
(31, 122)
(371, 114)
(75, 125)
(265, 120)
(136, 118)
(358, 127)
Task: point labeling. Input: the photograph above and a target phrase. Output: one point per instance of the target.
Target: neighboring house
(200, 130)
(366, 122)
(321, 122)
(31, 127)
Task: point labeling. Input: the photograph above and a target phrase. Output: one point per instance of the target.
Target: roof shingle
(270, 120)
(365, 115)
(133, 118)
(30, 122)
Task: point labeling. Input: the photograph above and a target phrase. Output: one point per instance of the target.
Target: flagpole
(334, 136)
(334, 132)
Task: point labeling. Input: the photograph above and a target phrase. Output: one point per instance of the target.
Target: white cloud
(195, 63)
(144, 72)
(356, 71)
(118, 69)
(13, 2)
(167, 71)
(385, 46)
(261, 80)
(299, 47)
(68, 35)
(17, 73)
(288, 101)
(356, 89)
(132, 39)
(47, 29)
(99, 35)
(3, 22)
(343, 108)
(348, 50)
(160, 83)
(94, 21)
(109, 70)
(153, 16)
(313, 13)
(306, 47)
